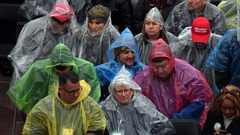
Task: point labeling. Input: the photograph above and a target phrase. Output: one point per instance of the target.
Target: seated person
(178, 90)
(39, 37)
(153, 29)
(67, 111)
(225, 59)
(37, 82)
(225, 110)
(195, 45)
(184, 13)
(122, 52)
(96, 36)
(131, 113)
(31, 9)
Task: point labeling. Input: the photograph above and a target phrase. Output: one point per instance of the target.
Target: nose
(94, 25)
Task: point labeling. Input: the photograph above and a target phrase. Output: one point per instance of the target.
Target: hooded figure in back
(96, 35)
(36, 83)
(122, 52)
(177, 89)
(153, 29)
(130, 112)
(39, 37)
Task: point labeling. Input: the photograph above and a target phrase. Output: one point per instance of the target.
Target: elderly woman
(153, 29)
(131, 113)
(122, 52)
(96, 35)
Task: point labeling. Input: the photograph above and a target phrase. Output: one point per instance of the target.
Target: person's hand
(218, 133)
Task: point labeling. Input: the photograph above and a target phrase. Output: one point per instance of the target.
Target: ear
(59, 90)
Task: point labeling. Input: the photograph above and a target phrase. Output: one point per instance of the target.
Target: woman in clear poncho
(35, 84)
(177, 89)
(131, 113)
(124, 44)
(93, 41)
(62, 113)
(153, 29)
(39, 37)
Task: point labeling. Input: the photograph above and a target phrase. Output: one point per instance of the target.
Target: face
(196, 5)
(228, 108)
(126, 57)
(162, 69)
(95, 26)
(70, 92)
(123, 94)
(68, 68)
(200, 45)
(58, 26)
(152, 29)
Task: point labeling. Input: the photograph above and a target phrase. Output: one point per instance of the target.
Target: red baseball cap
(62, 11)
(200, 30)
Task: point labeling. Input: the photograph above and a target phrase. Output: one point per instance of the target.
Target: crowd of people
(89, 67)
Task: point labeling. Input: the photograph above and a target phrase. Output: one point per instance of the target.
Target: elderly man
(68, 111)
(177, 89)
(37, 82)
(130, 113)
(184, 13)
(39, 37)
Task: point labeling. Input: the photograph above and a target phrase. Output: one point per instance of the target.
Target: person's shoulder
(179, 7)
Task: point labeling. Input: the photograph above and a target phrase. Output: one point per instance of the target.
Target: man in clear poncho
(96, 35)
(67, 111)
(122, 52)
(131, 113)
(184, 13)
(153, 29)
(225, 59)
(194, 46)
(35, 84)
(39, 37)
(31, 9)
(177, 89)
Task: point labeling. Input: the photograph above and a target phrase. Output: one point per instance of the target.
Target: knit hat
(99, 13)
(118, 50)
(62, 11)
(200, 30)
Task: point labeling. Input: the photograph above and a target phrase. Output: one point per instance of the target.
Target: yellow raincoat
(51, 116)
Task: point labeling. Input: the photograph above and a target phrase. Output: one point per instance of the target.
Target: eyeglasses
(58, 21)
(120, 92)
(72, 93)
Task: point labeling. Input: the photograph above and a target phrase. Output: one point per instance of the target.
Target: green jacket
(36, 82)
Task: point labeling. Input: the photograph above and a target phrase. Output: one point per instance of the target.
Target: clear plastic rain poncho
(185, 49)
(35, 83)
(229, 8)
(139, 117)
(51, 116)
(181, 18)
(225, 57)
(183, 94)
(93, 47)
(36, 42)
(31, 9)
(144, 46)
(107, 71)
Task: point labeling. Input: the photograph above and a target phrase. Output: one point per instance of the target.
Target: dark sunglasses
(58, 21)
(232, 92)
